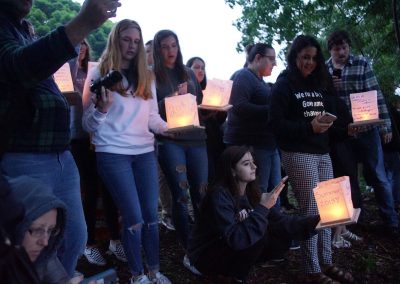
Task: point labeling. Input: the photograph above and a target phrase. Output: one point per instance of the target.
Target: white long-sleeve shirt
(125, 128)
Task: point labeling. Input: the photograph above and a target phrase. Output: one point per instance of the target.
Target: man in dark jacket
(34, 115)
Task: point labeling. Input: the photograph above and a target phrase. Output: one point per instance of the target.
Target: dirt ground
(375, 260)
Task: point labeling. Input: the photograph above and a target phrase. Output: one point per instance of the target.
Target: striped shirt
(34, 115)
(357, 77)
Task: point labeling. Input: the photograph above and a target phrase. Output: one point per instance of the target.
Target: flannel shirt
(34, 115)
(357, 76)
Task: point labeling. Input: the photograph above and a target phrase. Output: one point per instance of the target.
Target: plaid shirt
(357, 76)
(34, 115)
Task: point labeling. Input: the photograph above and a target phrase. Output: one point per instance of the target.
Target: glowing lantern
(364, 108)
(182, 111)
(334, 203)
(216, 95)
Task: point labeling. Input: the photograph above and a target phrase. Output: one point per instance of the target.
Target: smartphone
(327, 117)
(337, 72)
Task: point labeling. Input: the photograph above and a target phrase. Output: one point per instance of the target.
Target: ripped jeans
(132, 181)
(186, 171)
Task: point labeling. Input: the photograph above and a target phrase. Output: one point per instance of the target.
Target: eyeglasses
(270, 57)
(40, 232)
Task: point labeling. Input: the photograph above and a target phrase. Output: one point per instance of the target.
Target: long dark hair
(85, 61)
(320, 76)
(224, 177)
(159, 67)
(189, 63)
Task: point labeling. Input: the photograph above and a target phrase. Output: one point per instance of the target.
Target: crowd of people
(219, 186)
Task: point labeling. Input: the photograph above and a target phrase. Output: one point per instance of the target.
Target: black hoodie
(293, 106)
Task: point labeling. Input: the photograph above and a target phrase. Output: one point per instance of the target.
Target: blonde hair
(111, 60)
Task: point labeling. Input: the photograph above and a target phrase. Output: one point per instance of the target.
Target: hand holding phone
(337, 73)
(269, 199)
(327, 117)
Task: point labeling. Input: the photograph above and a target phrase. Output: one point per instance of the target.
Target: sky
(204, 28)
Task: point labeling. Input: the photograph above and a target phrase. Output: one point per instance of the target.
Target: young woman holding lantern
(213, 120)
(121, 121)
(183, 158)
(298, 100)
(238, 225)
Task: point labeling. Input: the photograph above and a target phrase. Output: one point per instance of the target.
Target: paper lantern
(182, 111)
(364, 108)
(334, 203)
(63, 79)
(216, 95)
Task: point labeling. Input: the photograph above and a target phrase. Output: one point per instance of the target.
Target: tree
(47, 15)
(369, 22)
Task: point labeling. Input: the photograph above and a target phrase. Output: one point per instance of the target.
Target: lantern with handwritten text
(63, 79)
(364, 108)
(216, 95)
(181, 111)
(334, 203)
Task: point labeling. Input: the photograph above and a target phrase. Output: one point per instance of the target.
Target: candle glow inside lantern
(364, 108)
(334, 203)
(217, 94)
(182, 111)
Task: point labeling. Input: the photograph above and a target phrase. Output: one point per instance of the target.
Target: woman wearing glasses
(41, 230)
(248, 119)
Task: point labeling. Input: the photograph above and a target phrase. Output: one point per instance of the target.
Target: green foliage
(369, 23)
(46, 15)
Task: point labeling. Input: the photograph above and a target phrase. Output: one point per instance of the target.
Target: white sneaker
(117, 250)
(186, 263)
(94, 256)
(143, 279)
(159, 278)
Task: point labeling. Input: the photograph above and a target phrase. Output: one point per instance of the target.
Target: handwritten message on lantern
(364, 106)
(333, 199)
(181, 111)
(63, 79)
(217, 93)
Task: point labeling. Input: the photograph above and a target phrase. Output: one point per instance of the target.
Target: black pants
(220, 259)
(345, 163)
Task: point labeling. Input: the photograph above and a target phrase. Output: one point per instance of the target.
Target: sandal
(338, 274)
(319, 278)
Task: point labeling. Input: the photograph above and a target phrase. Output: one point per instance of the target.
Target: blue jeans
(268, 166)
(133, 184)
(185, 168)
(369, 150)
(59, 171)
(392, 166)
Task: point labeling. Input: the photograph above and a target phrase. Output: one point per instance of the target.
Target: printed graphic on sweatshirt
(311, 102)
(243, 214)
